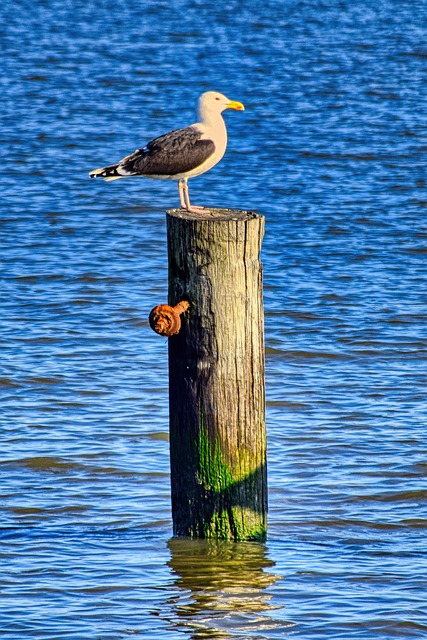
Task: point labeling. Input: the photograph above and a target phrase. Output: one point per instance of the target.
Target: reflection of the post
(222, 587)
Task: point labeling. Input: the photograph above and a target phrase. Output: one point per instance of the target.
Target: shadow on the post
(222, 589)
(214, 508)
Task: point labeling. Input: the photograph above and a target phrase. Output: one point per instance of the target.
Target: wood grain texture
(216, 375)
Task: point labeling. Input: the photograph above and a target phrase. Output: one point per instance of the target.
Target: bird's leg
(181, 193)
(188, 205)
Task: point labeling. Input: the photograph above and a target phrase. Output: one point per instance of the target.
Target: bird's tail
(108, 173)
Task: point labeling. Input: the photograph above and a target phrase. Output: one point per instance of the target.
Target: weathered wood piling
(216, 375)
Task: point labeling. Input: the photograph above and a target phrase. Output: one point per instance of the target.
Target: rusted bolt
(165, 319)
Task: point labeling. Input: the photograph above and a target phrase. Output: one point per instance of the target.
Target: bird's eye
(217, 98)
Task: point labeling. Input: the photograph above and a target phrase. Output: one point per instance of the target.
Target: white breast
(217, 132)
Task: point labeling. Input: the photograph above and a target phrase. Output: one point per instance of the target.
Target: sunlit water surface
(332, 149)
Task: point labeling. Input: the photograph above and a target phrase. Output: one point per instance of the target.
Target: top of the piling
(213, 213)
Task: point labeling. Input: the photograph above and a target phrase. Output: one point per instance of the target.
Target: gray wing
(171, 154)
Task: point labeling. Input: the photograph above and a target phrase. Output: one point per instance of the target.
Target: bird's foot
(194, 209)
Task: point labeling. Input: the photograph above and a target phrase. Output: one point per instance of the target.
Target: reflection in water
(222, 589)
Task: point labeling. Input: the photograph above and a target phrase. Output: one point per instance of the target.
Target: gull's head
(212, 102)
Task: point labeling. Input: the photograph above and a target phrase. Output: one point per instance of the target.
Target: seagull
(183, 153)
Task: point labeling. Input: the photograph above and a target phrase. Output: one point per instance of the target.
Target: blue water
(332, 150)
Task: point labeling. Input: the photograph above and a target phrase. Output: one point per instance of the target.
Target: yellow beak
(235, 105)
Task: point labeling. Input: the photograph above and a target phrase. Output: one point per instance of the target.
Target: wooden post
(216, 376)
